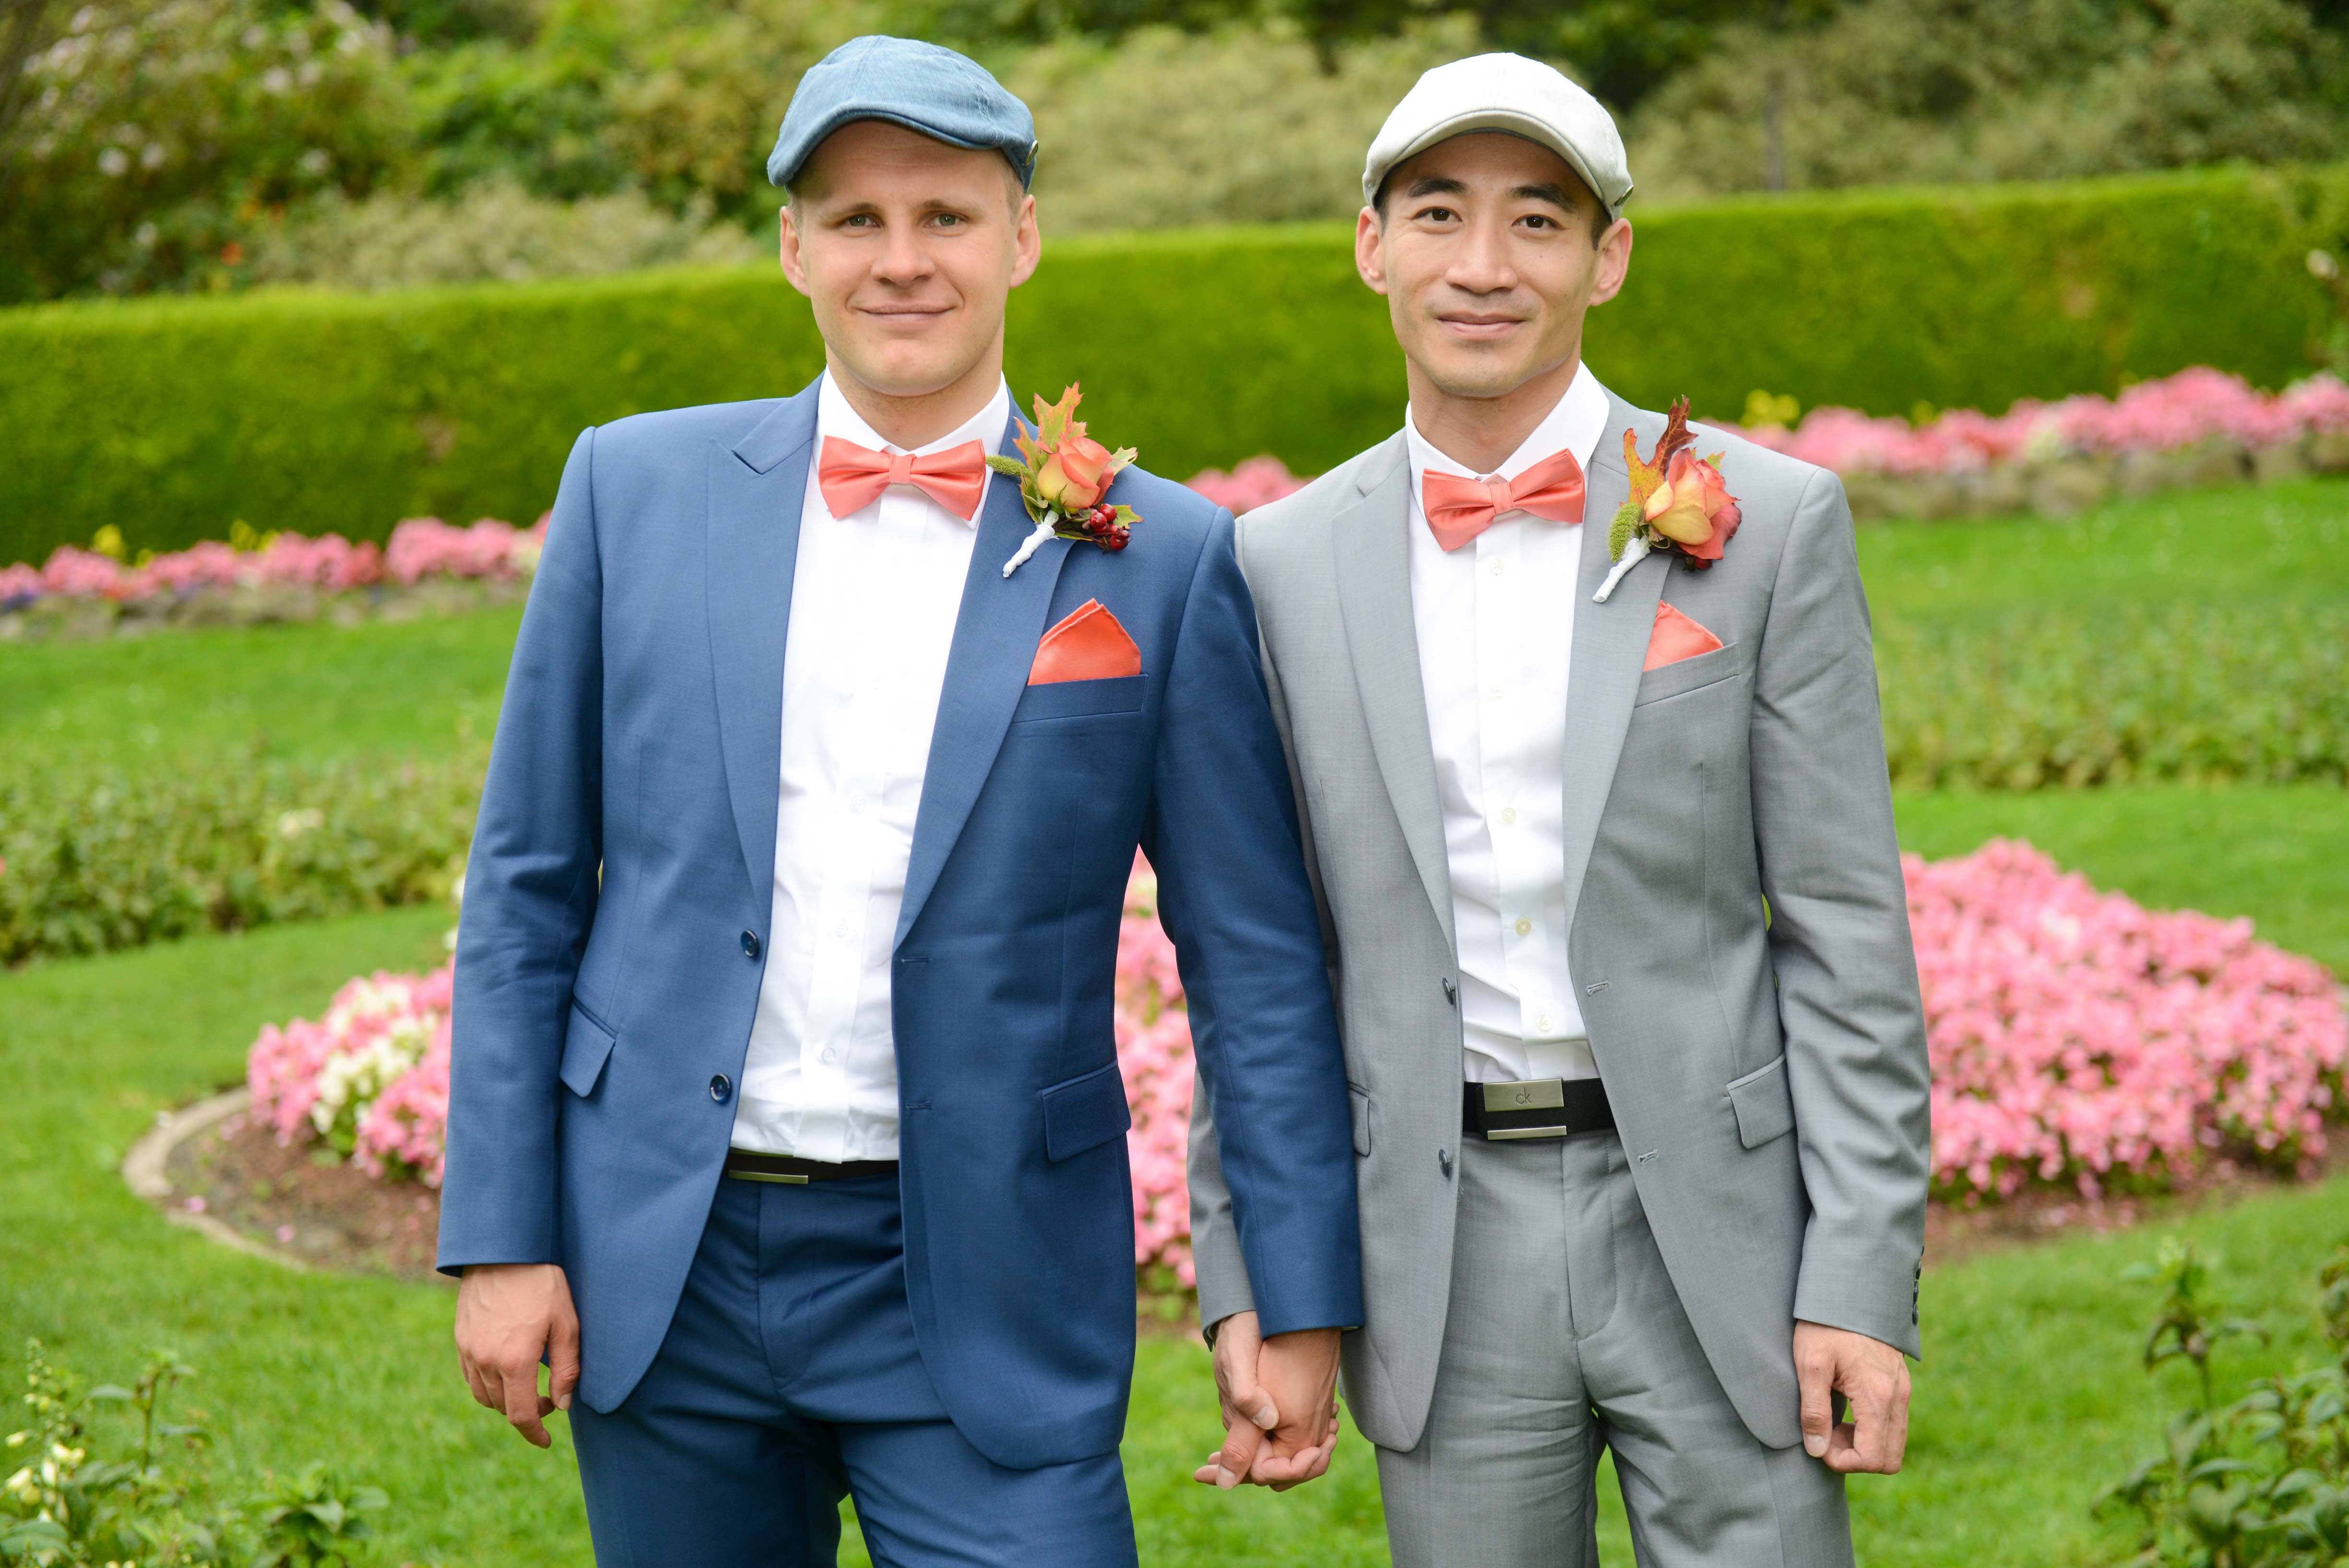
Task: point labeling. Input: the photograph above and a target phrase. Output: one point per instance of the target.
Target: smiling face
(1486, 254)
(907, 249)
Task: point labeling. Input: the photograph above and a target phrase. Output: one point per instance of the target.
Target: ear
(794, 264)
(1027, 241)
(1370, 250)
(1614, 262)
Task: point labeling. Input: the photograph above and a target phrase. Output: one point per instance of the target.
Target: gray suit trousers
(1564, 1334)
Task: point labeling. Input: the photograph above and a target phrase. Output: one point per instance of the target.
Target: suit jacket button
(750, 945)
(720, 1087)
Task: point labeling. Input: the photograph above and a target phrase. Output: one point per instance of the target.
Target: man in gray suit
(1613, 902)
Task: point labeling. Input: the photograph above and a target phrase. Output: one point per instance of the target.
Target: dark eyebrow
(1435, 185)
(1558, 196)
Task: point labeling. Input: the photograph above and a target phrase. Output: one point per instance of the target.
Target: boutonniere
(1679, 502)
(1062, 475)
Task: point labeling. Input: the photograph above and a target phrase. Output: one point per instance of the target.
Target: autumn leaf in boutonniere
(1063, 473)
(1679, 502)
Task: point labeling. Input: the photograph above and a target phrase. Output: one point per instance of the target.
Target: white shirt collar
(836, 416)
(1575, 424)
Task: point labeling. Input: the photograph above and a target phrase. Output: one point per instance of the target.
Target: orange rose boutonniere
(1679, 502)
(1063, 472)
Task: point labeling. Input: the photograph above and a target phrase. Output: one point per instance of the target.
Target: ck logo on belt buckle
(1524, 1099)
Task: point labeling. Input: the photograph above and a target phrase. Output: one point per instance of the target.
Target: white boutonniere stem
(1635, 550)
(1029, 545)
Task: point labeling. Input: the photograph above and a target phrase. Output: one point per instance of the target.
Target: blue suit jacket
(621, 882)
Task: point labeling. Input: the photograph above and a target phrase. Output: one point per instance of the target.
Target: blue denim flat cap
(919, 86)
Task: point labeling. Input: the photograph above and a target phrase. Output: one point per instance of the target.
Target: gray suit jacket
(1736, 916)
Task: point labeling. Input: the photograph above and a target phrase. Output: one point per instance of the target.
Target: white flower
(113, 162)
(277, 80)
(295, 823)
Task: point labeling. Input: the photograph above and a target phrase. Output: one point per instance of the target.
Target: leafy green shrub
(2260, 1484)
(171, 419)
(154, 133)
(2191, 692)
(71, 1501)
(95, 859)
(1900, 91)
(494, 229)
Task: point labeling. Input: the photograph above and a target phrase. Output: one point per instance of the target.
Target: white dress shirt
(873, 601)
(1496, 624)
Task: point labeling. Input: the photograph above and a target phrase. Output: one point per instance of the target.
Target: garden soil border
(146, 1169)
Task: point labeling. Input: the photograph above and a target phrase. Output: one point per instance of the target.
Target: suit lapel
(1610, 644)
(1374, 571)
(757, 489)
(997, 629)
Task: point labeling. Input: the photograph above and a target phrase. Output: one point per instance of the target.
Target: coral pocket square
(1088, 646)
(1676, 638)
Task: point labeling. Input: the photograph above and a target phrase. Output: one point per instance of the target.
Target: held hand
(507, 1314)
(1870, 1375)
(1279, 1405)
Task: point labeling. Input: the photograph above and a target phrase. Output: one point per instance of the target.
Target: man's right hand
(508, 1314)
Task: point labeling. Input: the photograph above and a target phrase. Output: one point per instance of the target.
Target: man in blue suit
(785, 1120)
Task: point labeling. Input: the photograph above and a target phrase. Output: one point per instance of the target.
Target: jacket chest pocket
(1080, 698)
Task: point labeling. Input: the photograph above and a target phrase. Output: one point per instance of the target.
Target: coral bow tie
(853, 477)
(1459, 509)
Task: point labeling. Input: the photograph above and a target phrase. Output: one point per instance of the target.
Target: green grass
(2278, 854)
(2255, 545)
(2029, 1400)
(304, 692)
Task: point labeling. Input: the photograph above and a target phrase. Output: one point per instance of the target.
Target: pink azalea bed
(2075, 1037)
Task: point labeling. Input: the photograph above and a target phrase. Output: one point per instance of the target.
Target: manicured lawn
(2030, 1398)
(306, 692)
(2255, 544)
(2278, 854)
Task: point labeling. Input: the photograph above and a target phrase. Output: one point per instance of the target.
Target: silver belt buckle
(786, 1178)
(1533, 1095)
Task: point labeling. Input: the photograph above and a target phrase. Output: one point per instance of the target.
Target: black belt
(1542, 1107)
(742, 1165)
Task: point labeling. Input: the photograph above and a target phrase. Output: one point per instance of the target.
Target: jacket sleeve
(530, 883)
(1839, 941)
(1270, 1115)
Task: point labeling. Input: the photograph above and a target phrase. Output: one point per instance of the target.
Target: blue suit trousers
(790, 1377)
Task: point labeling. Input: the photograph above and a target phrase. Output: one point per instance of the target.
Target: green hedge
(172, 418)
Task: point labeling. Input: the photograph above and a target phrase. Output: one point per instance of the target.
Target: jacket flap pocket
(1359, 1103)
(1765, 1109)
(1084, 1113)
(586, 1044)
(1687, 674)
(1077, 699)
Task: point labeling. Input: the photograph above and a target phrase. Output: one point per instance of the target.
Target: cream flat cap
(1511, 93)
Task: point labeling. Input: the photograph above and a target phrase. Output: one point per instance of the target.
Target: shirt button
(1493, 692)
(830, 1055)
(1508, 813)
(1524, 926)
(1542, 1023)
(1498, 567)
(855, 805)
(720, 1087)
(750, 945)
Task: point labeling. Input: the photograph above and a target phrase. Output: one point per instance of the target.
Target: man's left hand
(1279, 1405)
(1874, 1378)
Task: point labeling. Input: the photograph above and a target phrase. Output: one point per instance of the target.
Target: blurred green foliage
(171, 419)
(95, 859)
(197, 145)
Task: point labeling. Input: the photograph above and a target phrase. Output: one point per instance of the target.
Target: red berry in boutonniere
(1679, 502)
(1063, 475)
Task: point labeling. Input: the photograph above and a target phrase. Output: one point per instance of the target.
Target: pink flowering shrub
(1153, 1054)
(2180, 411)
(2075, 1034)
(2075, 1037)
(1251, 484)
(370, 1078)
(420, 547)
